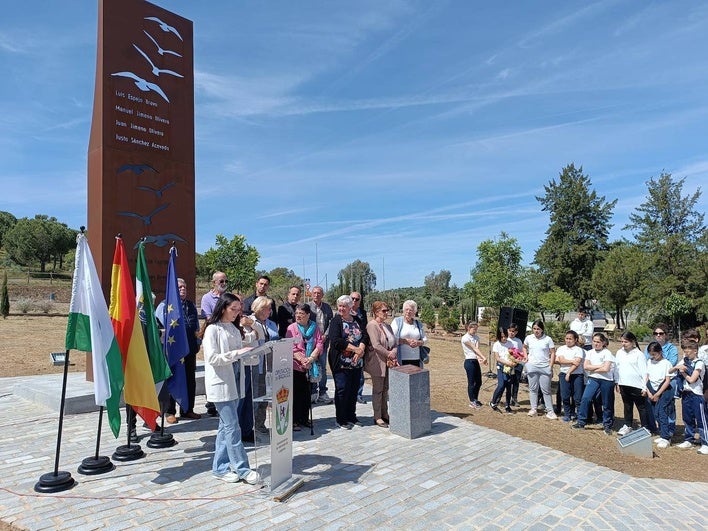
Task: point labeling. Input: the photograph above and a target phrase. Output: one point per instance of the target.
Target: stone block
(409, 401)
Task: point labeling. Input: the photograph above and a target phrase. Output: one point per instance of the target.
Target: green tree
(41, 239)
(202, 270)
(577, 233)
(7, 221)
(557, 302)
(281, 279)
(670, 230)
(4, 298)
(438, 284)
(497, 275)
(616, 278)
(235, 258)
(356, 276)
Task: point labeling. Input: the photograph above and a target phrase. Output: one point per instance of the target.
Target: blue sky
(401, 133)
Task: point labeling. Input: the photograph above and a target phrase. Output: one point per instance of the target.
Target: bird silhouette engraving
(137, 169)
(157, 71)
(160, 49)
(147, 220)
(160, 240)
(143, 84)
(164, 26)
(157, 192)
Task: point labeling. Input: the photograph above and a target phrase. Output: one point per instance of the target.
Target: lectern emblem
(282, 415)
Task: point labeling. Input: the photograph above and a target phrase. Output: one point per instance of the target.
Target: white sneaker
(685, 444)
(229, 477)
(252, 477)
(703, 450)
(663, 443)
(551, 415)
(313, 398)
(657, 439)
(532, 413)
(624, 430)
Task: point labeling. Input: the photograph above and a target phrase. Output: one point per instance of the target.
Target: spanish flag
(139, 389)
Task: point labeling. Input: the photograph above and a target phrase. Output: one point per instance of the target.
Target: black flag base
(161, 440)
(54, 482)
(128, 452)
(93, 465)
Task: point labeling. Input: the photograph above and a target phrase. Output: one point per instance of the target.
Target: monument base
(409, 401)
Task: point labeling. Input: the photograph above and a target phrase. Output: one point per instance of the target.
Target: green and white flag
(90, 330)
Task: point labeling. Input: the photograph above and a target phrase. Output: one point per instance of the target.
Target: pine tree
(577, 234)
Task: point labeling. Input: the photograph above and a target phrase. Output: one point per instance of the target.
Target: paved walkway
(459, 476)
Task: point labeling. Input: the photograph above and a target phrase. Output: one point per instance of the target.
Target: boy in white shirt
(692, 402)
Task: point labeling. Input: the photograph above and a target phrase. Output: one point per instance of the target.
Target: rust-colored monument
(141, 150)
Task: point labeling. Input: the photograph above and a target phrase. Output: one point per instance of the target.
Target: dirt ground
(26, 341)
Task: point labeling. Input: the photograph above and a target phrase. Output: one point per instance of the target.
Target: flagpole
(97, 464)
(57, 480)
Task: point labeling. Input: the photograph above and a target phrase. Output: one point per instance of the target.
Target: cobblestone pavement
(458, 476)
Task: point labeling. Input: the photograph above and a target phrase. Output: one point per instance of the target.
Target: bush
(45, 306)
(427, 315)
(642, 331)
(450, 324)
(556, 330)
(24, 304)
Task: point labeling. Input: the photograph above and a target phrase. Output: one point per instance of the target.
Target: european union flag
(174, 340)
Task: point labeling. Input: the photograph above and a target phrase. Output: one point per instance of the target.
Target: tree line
(657, 270)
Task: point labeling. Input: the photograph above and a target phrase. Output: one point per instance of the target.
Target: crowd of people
(343, 341)
(590, 377)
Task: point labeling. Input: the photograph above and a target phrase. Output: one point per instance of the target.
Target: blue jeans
(574, 388)
(346, 383)
(474, 379)
(504, 383)
(605, 389)
(662, 409)
(229, 454)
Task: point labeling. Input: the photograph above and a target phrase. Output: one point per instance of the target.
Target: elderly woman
(222, 344)
(307, 347)
(266, 330)
(347, 343)
(380, 355)
(410, 334)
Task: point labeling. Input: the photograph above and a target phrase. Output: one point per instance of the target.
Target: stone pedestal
(409, 401)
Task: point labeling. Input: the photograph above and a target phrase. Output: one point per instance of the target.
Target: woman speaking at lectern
(222, 344)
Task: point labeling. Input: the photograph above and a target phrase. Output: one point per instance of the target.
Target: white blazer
(222, 347)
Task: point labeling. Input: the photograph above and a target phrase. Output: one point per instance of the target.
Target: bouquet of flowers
(515, 357)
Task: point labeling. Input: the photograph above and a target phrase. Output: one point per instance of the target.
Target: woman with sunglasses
(380, 355)
(670, 353)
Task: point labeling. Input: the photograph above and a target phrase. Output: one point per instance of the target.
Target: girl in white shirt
(571, 379)
(505, 369)
(631, 381)
(599, 365)
(473, 357)
(659, 392)
(540, 357)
